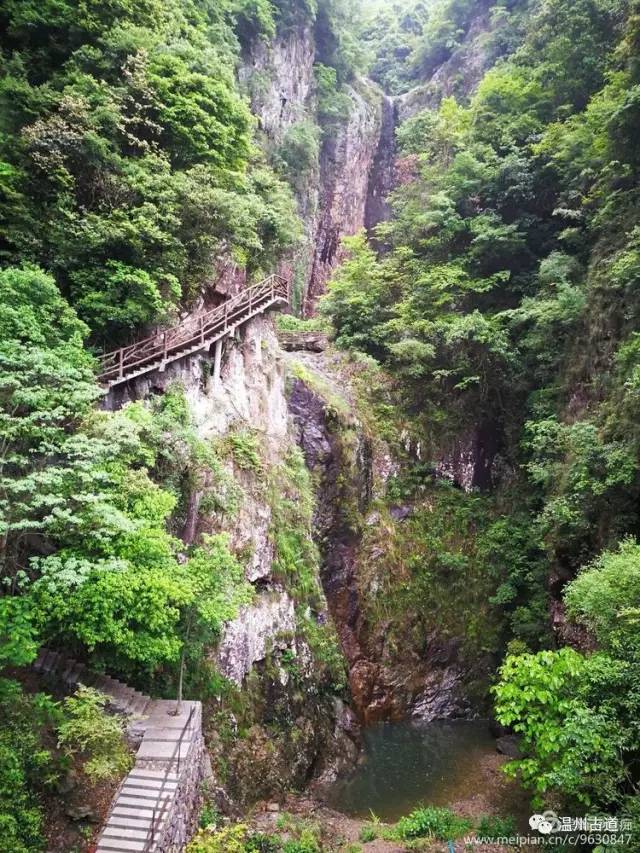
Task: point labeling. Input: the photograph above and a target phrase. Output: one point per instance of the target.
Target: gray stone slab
(145, 795)
(163, 750)
(151, 784)
(151, 774)
(129, 833)
(142, 822)
(140, 803)
(120, 845)
(167, 733)
(122, 812)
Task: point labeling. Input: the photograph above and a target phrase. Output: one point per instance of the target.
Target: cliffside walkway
(155, 809)
(194, 334)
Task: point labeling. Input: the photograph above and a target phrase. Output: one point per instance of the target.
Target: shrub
(431, 821)
(492, 828)
(333, 106)
(261, 843)
(368, 833)
(27, 766)
(291, 323)
(244, 448)
(307, 843)
(209, 816)
(231, 839)
(89, 730)
(300, 150)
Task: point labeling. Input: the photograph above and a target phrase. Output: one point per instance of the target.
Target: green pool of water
(405, 765)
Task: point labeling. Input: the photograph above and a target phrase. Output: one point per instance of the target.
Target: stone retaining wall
(156, 807)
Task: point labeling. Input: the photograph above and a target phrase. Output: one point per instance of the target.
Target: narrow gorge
(319, 447)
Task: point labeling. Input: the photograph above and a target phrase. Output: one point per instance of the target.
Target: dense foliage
(127, 164)
(131, 177)
(41, 742)
(506, 305)
(408, 40)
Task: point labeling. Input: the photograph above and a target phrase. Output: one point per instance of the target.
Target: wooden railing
(194, 334)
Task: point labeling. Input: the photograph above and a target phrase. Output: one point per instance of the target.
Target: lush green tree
(571, 745)
(128, 163)
(577, 714)
(605, 598)
(46, 389)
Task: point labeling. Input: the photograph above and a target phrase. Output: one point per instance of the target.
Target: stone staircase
(155, 809)
(121, 698)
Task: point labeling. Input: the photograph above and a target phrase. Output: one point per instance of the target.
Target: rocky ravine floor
(495, 794)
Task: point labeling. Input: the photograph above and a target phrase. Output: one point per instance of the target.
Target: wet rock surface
(509, 745)
(426, 683)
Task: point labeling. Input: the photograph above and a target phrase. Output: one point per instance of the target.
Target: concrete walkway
(144, 807)
(156, 807)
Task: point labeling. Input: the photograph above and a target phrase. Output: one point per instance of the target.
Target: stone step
(47, 661)
(121, 697)
(163, 750)
(150, 805)
(139, 704)
(129, 789)
(69, 667)
(145, 796)
(82, 675)
(121, 845)
(37, 664)
(53, 661)
(159, 790)
(143, 820)
(169, 733)
(165, 709)
(136, 813)
(143, 773)
(137, 805)
(165, 780)
(128, 833)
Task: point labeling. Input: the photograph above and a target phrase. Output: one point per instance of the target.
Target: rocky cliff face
(346, 168)
(273, 654)
(464, 69)
(425, 678)
(279, 79)
(281, 722)
(381, 178)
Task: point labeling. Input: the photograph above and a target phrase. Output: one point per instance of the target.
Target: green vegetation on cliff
(127, 164)
(131, 178)
(506, 306)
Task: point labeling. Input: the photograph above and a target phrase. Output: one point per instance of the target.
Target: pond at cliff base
(444, 763)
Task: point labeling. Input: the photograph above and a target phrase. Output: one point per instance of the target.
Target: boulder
(509, 745)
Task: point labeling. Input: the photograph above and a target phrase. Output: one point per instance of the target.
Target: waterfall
(381, 178)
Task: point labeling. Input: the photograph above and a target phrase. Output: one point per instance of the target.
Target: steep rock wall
(346, 168)
(381, 178)
(275, 674)
(424, 678)
(462, 72)
(279, 79)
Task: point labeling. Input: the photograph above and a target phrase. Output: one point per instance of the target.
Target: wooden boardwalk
(193, 335)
